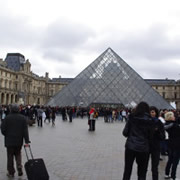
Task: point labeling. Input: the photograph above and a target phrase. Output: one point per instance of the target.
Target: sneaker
(10, 175)
(167, 177)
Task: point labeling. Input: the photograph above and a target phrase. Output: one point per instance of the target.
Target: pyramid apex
(109, 48)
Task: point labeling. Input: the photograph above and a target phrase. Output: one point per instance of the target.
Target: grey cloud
(58, 42)
(15, 32)
(152, 44)
(58, 55)
(66, 34)
(63, 38)
(162, 71)
(66, 71)
(156, 70)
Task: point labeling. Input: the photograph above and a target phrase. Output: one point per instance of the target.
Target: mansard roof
(14, 61)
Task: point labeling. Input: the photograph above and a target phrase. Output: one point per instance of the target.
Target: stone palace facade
(18, 84)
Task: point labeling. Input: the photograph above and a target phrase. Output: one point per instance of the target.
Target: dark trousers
(124, 117)
(11, 153)
(53, 121)
(70, 118)
(142, 163)
(155, 155)
(173, 160)
(92, 123)
(105, 118)
(40, 121)
(164, 147)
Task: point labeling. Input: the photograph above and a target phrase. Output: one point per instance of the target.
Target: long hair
(155, 109)
(141, 109)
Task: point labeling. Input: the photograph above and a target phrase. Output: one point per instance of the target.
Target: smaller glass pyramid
(108, 80)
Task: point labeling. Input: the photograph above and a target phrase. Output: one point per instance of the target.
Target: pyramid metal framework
(108, 80)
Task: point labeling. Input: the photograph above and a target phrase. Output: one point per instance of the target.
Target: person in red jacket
(91, 120)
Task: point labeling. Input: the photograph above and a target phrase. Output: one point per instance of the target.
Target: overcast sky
(63, 37)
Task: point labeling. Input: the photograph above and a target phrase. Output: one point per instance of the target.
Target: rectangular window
(175, 95)
(164, 95)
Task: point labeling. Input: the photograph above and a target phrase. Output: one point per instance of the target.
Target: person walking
(15, 130)
(70, 114)
(158, 136)
(138, 132)
(39, 116)
(53, 115)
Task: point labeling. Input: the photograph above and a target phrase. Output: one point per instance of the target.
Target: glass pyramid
(108, 80)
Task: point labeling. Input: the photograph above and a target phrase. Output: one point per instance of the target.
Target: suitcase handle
(28, 146)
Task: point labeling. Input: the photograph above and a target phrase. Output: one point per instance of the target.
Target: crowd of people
(145, 133)
(150, 133)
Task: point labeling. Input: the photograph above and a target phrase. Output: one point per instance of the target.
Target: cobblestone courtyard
(71, 152)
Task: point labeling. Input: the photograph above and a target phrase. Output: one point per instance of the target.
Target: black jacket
(14, 128)
(158, 134)
(174, 134)
(138, 131)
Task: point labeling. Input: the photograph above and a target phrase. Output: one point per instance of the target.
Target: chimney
(47, 75)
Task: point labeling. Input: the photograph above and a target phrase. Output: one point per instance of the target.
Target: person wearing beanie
(173, 130)
(15, 130)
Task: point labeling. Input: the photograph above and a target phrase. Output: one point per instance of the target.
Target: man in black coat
(14, 128)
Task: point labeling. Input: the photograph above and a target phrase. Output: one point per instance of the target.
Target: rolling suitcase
(35, 168)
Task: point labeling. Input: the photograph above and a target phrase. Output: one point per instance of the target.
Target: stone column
(4, 99)
(14, 98)
(7, 98)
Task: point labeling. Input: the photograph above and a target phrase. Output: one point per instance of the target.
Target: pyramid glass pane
(108, 80)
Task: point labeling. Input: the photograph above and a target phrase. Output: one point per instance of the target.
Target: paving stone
(71, 152)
